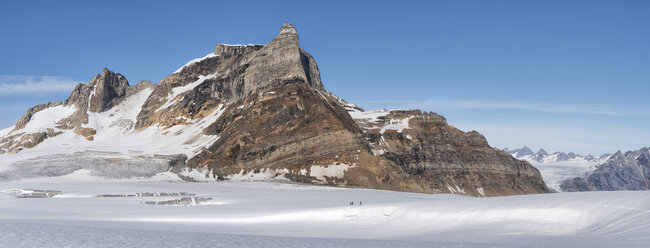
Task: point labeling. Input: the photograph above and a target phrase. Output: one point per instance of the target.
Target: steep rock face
(299, 134)
(197, 88)
(280, 60)
(228, 75)
(444, 158)
(102, 92)
(259, 112)
(629, 171)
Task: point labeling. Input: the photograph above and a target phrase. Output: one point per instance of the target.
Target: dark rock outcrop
(577, 184)
(104, 91)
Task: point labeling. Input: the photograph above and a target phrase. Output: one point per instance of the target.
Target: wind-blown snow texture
(291, 215)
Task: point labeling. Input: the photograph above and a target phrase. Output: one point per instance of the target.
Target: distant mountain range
(573, 172)
(542, 156)
(622, 171)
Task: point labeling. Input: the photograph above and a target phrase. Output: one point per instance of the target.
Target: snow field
(277, 211)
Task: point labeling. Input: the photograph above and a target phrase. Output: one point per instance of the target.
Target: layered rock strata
(263, 113)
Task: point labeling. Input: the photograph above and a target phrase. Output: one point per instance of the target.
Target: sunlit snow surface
(116, 135)
(256, 214)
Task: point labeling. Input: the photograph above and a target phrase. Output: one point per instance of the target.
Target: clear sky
(559, 75)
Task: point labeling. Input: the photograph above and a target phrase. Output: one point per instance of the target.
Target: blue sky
(559, 75)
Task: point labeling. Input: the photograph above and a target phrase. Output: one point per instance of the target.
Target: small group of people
(352, 203)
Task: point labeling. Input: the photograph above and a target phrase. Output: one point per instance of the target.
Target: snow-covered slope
(115, 138)
(558, 166)
(292, 215)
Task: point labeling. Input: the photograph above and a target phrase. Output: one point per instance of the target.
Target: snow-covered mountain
(542, 156)
(559, 166)
(573, 172)
(254, 112)
(621, 171)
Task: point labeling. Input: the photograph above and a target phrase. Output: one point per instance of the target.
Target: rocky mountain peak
(524, 151)
(109, 89)
(287, 28)
(262, 110)
(100, 93)
(617, 156)
(282, 60)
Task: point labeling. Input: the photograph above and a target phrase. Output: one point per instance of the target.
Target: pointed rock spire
(100, 93)
(287, 28)
(280, 61)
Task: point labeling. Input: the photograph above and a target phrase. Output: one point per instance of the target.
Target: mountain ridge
(261, 112)
(622, 171)
(572, 172)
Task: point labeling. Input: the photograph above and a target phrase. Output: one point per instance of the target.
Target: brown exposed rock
(237, 72)
(86, 132)
(101, 93)
(280, 60)
(289, 122)
(449, 160)
(279, 119)
(296, 127)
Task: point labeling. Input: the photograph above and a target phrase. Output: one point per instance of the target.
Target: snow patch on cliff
(198, 174)
(368, 116)
(334, 170)
(264, 174)
(396, 124)
(177, 91)
(211, 55)
(47, 118)
(119, 119)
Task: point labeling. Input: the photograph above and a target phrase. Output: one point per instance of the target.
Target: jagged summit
(288, 28)
(261, 112)
(524, 151)
(542, 152)
(230, 75)
(100, 93)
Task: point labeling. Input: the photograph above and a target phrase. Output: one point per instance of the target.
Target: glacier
(272, 214)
